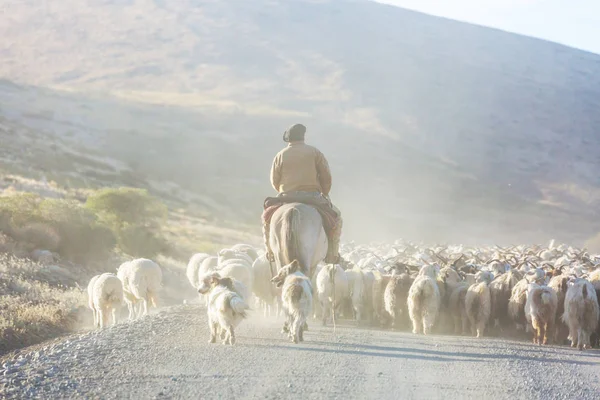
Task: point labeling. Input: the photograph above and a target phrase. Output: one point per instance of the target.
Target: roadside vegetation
(52, 243)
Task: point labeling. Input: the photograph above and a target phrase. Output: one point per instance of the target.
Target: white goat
(424, 300)
(581, 312)
(478, 307)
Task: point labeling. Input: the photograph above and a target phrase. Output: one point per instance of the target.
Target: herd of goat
(547, 292)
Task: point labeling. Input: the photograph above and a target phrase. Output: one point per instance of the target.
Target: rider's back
(300, 167)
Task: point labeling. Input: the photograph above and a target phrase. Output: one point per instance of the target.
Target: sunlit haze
(573, 23)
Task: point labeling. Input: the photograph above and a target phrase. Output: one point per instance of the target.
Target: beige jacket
(300, 167)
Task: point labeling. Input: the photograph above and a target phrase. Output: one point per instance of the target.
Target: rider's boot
(333, 248)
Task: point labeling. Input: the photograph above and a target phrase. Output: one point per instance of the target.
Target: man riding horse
(300, 173)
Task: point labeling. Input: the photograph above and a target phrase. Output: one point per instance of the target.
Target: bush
(135, 217)
(33, 309)
(127, 206)
(127, 217)
(41, 236)
(19, 209)
(82, 235)
(58, 225)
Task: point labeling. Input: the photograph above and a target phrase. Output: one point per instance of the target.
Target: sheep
(142, 280)
(247, 249)
(209, 264)
(478, 307)
(581, 312)
(395, 297)
(229, 254)
(238, 270)
(332, 289)
(262, 288)
(424, 300)
(193, 268)
(90, 292)
(540, 310)
(296, 293)
(107, 297)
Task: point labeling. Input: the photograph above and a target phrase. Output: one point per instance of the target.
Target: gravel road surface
(166, 356)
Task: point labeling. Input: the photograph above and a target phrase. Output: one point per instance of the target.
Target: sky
(575, 23)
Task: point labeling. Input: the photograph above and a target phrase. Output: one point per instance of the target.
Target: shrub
(82, 235)
(135, 217)
(33, 309)
(41, 236)
(127, 206)
(127, 217)
(7, 244)
(19, 209)
(57, 225)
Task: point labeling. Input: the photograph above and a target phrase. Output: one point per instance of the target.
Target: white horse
(297, 233)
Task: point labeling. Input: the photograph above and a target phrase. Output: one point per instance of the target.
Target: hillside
(434, 129)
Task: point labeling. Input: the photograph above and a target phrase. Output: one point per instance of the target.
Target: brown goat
(541, 308)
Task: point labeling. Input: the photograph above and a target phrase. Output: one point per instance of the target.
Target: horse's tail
(290, 228)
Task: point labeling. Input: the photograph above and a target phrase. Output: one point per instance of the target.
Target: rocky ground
(166, 355)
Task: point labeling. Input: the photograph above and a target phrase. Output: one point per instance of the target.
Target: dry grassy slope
(433, 118)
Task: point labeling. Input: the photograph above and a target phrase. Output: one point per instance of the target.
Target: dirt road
(166, 355)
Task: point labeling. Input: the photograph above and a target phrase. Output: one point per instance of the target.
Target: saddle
(321, 204)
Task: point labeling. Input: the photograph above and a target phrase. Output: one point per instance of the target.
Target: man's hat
(295, 132)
